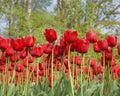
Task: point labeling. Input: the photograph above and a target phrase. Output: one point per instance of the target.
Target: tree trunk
(28, 15)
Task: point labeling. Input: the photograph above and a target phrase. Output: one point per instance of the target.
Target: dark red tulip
(96, 47)
(108, 54)
(58, 51)
(29, 41)
(70, 36)
(118, 49)
(36, 51)
(83, 45)
(19, 68)
(41, 65)
(63, 44)
(112, 40)
(92, 36)
(102, 44)
(50, 35)
(17, 44)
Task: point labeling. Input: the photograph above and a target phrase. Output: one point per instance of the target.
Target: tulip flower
(4, 43)
(102, 44)
(108, 54)
(19, 67)
(70, 36)
(50, 35)
(96, 47)
(83, 45)
(112, 40)
(36, 51)
(92, 36)
(118, 49)
(29, 41)
(17, 44)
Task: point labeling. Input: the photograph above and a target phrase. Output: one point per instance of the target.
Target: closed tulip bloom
(30, 59)
(83, 45)
(3, 43)
(112, 40)
(17, 44)
(96, 48)
(9, 51)
(70, 36)
(58, 51)
(108, 54)
(50, 35)
(102, 44)
(92, 36)
(29, 41)
(118, 49)
(37, 51)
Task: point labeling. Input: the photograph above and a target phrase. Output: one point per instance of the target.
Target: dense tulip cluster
(19, 55)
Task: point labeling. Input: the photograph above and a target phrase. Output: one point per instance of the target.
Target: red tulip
(3, 43)
(41, 65)
(112, 40)
(83, 45)
(102, 44)
(23, 54)
(17, 44)
(9, 51)
(70, 36)
(118, 49)
(108, 54)
(63, 44)
(19, 68)
(58, 51)
(50, 35)
(30, 59)
(37, 51)
(29, 41)
(96, 48)
(92, 36)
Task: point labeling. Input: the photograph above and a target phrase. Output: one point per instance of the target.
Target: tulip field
(65, 66)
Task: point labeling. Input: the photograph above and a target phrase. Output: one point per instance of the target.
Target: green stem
(82, 74)
(52, 68)
(71, 81)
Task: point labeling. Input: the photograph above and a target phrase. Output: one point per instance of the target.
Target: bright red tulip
(96, 47)
(112, 40)
(108, 54)
(50, 35)
(30, 59)
(9, 51)
(102, 44)
(29, 41)
(4, 43)
(70, 36)
(36, 51)
(17, 44)
(23, 54)
(83, 45)
(92, 36)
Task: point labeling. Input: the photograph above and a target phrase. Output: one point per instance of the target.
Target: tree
(89, 14)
